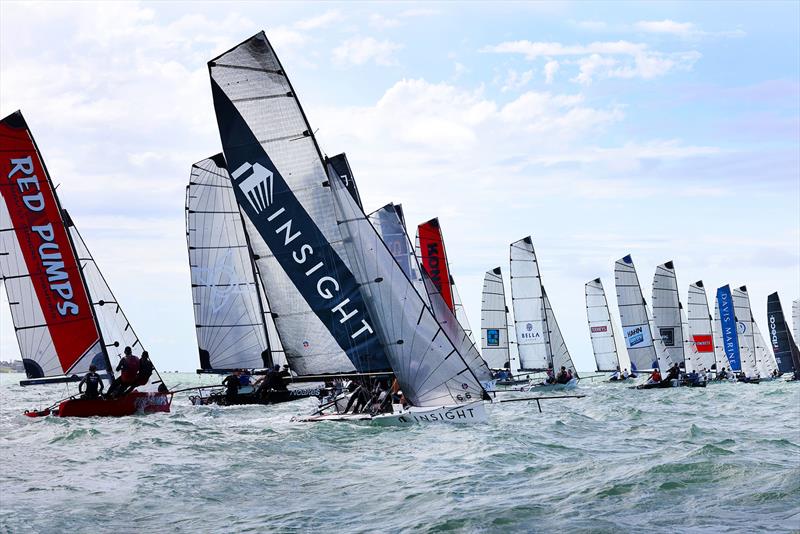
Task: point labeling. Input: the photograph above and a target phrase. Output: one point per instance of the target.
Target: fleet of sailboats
(289, 272)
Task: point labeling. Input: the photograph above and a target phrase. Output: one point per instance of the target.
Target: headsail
(283, 191)
(530, 320)
(560, 355)
(425, 361)
(634, 316)
(787, 355)
(54, 322)
(494, 321)
(667, 311)
(700, 332)
(601, 329)
(432, 254)
(230, 315)
(461, 313)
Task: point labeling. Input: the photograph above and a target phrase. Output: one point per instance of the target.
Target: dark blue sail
(784, 347)
(727, 319)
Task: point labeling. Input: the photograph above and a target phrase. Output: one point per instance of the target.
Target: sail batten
(494, 321)
(668, 315)
(530, 320)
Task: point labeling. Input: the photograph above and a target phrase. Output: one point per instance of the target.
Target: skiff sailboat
(65, 316)
(336, 292)
(787, 355)
(608, 355)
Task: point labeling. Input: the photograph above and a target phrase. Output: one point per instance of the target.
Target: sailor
(143, 375)
(569, 375)
(655, 377)
(616, 375)
(92, 381)
(285, 373)
(128, 367)
(674, 372)
(264, 384)
(358, 399)
(231, 384)
(244, 378)
(625, 374)
(722, 375)
(551, 377)
(562, 376)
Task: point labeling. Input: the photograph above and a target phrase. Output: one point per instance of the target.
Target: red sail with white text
(53, 319)
(434, 258)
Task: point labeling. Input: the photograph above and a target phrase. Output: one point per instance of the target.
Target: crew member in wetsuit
(278, 383)
(722, 375)
(93, 382)
(655, 378)
(562, 376)
(358, 399)
(231, 384)
(674, 372)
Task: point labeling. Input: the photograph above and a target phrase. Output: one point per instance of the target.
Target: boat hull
(474, 412)
(273, 397)
(133, 403)
(572, 384)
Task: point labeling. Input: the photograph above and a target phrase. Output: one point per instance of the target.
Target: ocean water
(721, 459)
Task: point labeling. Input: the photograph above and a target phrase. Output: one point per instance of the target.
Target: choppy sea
(721, 459)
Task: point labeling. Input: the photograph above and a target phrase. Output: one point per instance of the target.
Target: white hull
(474, 412)
(572, 384)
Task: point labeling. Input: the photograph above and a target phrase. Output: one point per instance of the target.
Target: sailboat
(670, 319)
(700, 327)
(753, 365)
(494, 321)
(65, 316)
(787, 355)
(607, 354)
(234, 325)
(336, 291)
(647, 352)
(539, 340)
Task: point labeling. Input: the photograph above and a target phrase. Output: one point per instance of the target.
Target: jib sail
(494, 321)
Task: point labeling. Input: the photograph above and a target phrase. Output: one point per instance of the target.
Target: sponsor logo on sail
(492, 337)
(773, 332)
(635, 336)
(703, 343)
(667, 336)
(257, 187)
(598, 329)
(742, 328)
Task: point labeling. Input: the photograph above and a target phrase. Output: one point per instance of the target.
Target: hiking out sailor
(722, 375)
(551, 377)
(674, 372)
(562, 376)
(616, 375)
(358, 399)
(231, 384)
(278, 383)
(655, 377)
(625, 374)
(93, 382)
(128, 367)
(143, 374)
(570, 376)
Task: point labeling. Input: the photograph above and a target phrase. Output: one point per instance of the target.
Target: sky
(665, 130)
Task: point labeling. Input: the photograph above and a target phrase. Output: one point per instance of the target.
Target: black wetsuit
(93, 383)
(231, 384)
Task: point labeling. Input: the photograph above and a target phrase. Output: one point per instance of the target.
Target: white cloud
(516, 80)
(376, 20)
(684, 30)
(320, 21)
(550, 70)
(361, 50)
(610, 59)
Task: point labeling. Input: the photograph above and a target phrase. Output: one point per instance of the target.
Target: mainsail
(527, 300)
(601, 329)
(54, 322)
(283, 192)
(700, 332)
(342, 169)
(560, 354)
(728, 337)
(635, 318)
(231, 317)
(745, 330)
(425, 360)
(787, 355)
(796, 319)
(432, 254)
(765, 361)
(494, 321)
(667, 313)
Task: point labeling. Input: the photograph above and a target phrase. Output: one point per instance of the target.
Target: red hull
(136, 402)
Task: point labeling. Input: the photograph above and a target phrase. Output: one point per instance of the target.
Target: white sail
(283, 191)
(530, 322)
(460, 312)
(230, 315)
(745, 330)
(667, 312)
(634, 316)
(796, 319)
(561, 357)
(765, 359)
(425, 361)
(700, 333)
(494, 321)
(601, 330)
(692, 363)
